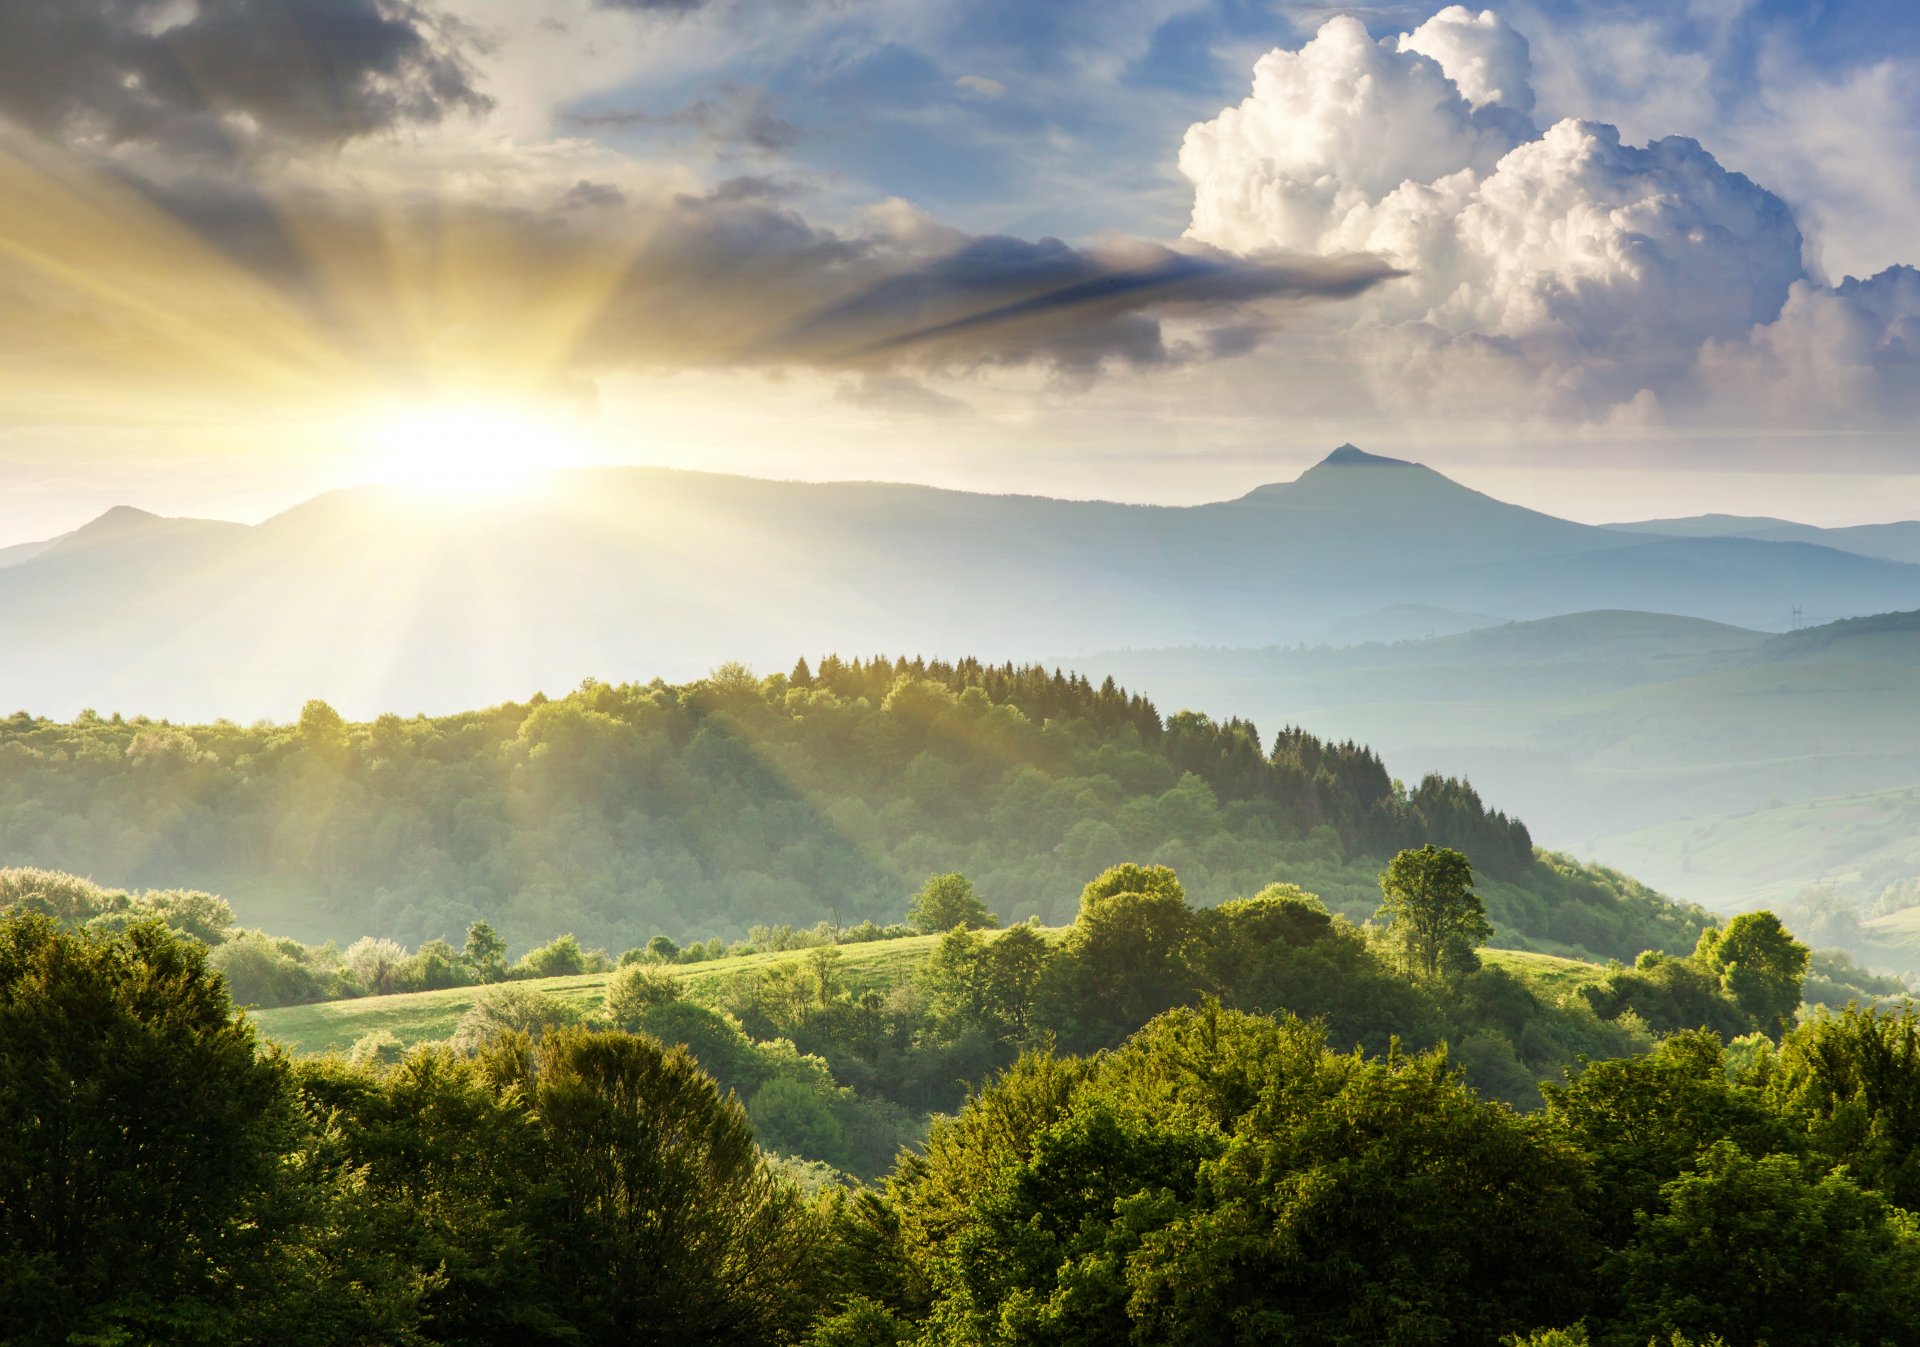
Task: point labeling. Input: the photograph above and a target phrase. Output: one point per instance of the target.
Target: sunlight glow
(471, 451)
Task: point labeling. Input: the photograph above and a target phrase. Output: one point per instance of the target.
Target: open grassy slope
(416, 1017)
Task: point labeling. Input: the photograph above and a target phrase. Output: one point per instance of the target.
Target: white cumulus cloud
(1564, 272)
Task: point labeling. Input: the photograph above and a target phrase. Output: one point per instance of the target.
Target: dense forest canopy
(697, 810)
(1214, 1175)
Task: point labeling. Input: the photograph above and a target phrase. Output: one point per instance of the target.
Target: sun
(470, 451)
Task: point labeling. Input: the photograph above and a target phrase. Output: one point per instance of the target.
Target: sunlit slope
(416, 1017)
(379, 599)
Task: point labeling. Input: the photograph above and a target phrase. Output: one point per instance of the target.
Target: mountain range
(376, 599)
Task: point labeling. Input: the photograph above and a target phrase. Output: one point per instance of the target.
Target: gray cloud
(737, 278)
(736, 119)
(300, 70)
(1009, 300)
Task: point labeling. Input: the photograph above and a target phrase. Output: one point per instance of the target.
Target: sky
(1615, 260)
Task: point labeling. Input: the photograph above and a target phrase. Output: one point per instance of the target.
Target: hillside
(374, 599)
(1604, 727)
(1889, 542)
(700, 809)
(881, 965)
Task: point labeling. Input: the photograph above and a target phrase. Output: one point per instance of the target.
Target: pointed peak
(118, 518)
(1347, 456)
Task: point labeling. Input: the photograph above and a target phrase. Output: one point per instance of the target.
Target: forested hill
(704, 808)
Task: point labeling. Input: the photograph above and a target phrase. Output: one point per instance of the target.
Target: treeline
(702, 809)
(1220, 1176)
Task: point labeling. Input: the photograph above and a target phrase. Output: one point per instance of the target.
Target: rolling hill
(381, 601)
(1890, 542)
(1626, 737)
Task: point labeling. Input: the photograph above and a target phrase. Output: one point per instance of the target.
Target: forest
(697, 811)
(1187, 1125)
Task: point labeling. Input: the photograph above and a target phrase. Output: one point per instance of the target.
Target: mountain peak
(1347, 456)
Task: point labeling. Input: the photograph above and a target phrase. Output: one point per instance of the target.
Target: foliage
(1435, 917)
(140, 1131)
(703, 809)
(507, 1010)
(634, 990)
(1216, 1175)
(1760, 967)
(947, 901)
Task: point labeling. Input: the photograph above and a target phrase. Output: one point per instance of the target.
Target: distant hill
(706, 808)
(1889, 542)
(1626, 737)
(378, 600)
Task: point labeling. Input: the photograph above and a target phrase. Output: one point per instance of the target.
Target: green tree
(140, 1138)
(1436, 917)
(485, 951)
(947, 901)
(1758, 1250)
(662, 950)
(508, 1010)
(1851, 1083)
(635, 990)
(1124, 959)
(559, 957)
(672, 1227)
(1760, 965)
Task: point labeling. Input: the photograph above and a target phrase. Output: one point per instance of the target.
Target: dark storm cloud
(301, 70)
(999, 299)
(738, 278)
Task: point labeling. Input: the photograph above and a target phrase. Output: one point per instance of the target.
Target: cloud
(1000, 300)
(507, 286)
(119, 71)
(1842, 357)
(981, 86)
(735, 120)
(1564, 274)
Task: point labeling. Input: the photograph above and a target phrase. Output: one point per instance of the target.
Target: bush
(634, 990)
(560, 957)
(381, 1047)
(261, 972)
(507, 1009)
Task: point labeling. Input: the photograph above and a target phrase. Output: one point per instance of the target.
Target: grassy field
(1549, 975)
(415, 1017)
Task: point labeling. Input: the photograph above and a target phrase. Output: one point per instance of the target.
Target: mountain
(380, 600)
(1888, 542)
(1629, 738)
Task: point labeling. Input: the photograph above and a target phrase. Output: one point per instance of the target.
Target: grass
(416, 1017)
(1550, 976)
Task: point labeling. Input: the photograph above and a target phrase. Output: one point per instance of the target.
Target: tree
(140, 1137)
(1124, 959)
(507, 1009)
(1760, 1250)
(1437, 918)
(947, 901)
(1760, 965)
(672, 1228)
(635, 989)
(485, 951)
(559, 957)
(661, 949)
